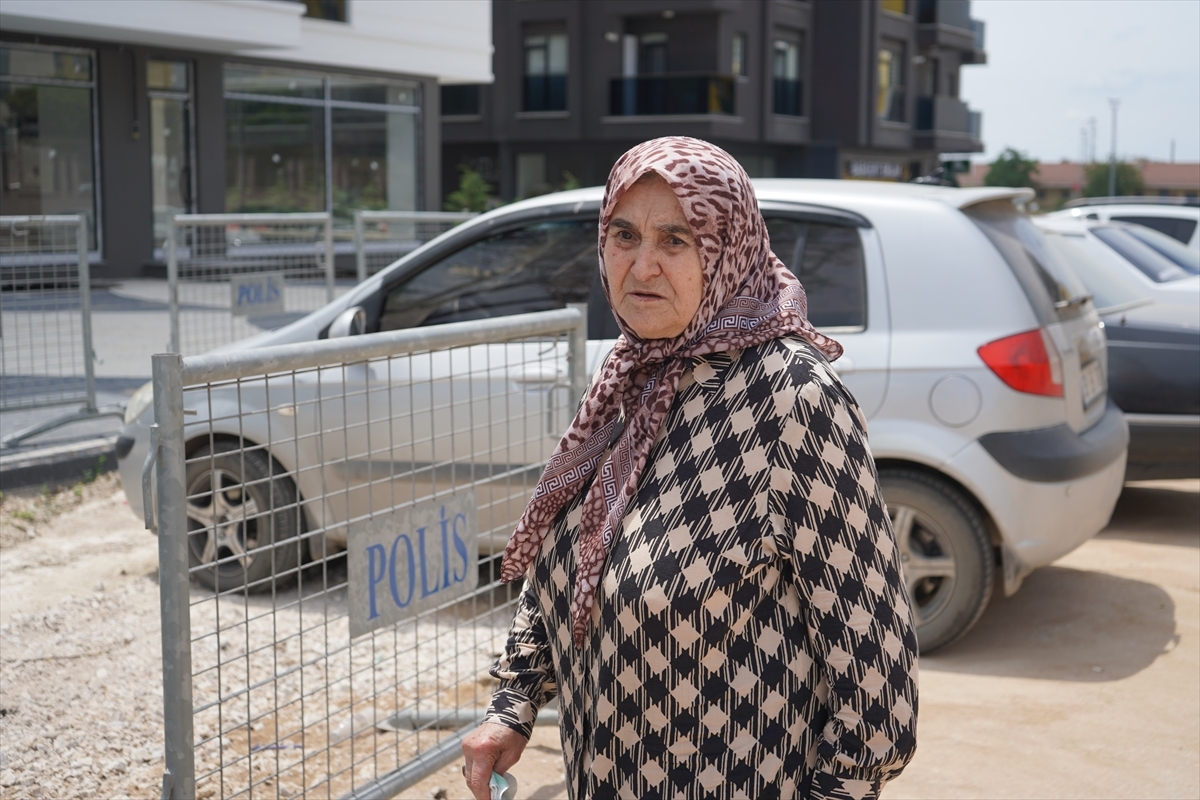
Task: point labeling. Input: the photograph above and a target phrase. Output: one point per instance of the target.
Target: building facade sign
(869, 169)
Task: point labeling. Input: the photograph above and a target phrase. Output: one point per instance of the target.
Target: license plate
(1091, 380)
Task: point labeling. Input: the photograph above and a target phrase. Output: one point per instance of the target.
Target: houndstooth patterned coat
(751, 636)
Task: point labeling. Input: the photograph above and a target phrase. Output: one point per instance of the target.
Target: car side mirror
(350, 322)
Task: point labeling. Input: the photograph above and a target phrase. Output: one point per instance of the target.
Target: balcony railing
(655, 95)
(947, 115)
(955, 13)
(545, 93)
(979, 28)
(789, 97)
(975, 125)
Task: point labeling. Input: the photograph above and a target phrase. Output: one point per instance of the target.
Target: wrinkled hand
(491, 747)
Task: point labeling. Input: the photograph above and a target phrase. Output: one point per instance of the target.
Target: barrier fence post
(329, 265)
(85, 305)
(360, 255)
(577, 355)
(173, 283)
(179, 781)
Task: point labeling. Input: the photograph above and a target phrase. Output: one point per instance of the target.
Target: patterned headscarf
(749, 297)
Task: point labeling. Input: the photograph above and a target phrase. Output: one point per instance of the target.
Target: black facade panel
(124, 162)
(840, 66)
(209, 103)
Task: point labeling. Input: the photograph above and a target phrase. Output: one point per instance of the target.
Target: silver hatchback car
(974, 352)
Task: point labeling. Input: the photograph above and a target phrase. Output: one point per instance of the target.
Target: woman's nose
(645, 265)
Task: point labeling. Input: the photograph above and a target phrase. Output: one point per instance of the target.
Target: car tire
(945, 554)
(242, 532)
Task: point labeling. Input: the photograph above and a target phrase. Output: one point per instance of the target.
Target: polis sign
(256, 294)
(411, 560)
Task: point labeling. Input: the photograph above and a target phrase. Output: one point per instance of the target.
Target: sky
(1053, 64)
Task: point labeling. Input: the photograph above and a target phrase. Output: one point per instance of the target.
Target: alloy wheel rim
(224, 519)
(927, 562)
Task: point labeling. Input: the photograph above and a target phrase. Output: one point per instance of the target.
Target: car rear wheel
(944, 553)
(243, 519)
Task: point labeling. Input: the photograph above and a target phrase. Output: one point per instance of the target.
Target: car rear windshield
(1101, 277)
(1166, 246)
(1156, 266)
(1052, 288)
(1178, 229)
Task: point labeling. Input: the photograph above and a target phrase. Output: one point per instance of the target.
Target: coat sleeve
(525, 670)
(831, 521)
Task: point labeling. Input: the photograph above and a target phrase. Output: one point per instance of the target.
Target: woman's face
(652, 262)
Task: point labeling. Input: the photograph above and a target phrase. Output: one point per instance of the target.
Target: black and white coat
(751, 636)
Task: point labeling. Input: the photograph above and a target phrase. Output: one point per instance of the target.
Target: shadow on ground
(1066, 624)
(1084, 625)
(1156, 514)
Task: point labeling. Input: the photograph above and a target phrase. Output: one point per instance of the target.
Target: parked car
(1147, 288)
(975, 354)
(1177, 217)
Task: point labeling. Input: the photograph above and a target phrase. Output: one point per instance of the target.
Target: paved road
(1086, 683)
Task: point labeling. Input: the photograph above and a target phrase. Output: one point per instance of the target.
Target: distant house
(128, 111)
(1064, 180)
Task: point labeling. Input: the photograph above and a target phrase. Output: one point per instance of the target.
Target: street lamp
(1112, 161)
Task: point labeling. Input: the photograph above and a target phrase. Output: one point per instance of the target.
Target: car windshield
(1166, 246)
(1152, 263)
(1053, 289)
(1095, 269)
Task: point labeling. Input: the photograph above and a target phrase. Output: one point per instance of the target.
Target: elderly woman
(712, 586)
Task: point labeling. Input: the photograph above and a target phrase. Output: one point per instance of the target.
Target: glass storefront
(303, 141)
(47, 132)
(168, 84)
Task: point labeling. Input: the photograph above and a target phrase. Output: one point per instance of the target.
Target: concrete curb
(58, 464)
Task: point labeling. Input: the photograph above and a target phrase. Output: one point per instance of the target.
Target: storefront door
(168, 84)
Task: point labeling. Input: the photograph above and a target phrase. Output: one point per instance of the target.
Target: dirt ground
(1084, 684)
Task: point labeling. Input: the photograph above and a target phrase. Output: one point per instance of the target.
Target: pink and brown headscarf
(749, 297)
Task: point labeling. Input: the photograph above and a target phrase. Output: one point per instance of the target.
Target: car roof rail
(1138, 200)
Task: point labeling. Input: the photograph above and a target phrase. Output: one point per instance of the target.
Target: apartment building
(129, 111)
(858, 89)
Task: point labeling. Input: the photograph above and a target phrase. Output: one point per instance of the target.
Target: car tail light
(1027, 362)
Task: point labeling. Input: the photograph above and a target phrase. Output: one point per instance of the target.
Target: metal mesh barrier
(45, 313)
(331, 519)
(381, 237)
(232, 276)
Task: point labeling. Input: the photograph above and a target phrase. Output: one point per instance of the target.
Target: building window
(737, 61)
(460, 100)
(279, 159)
(890, 97)
(895, 6)
(652, 54)
(332, 10)
(785, 71)
(545, 72)
(171, 150)
(47, 133)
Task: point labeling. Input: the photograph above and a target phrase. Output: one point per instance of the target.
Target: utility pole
(1091, 158)
(1112, 161)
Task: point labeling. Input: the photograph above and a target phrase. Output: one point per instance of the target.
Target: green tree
(570, 181)
(473, 192)
(1129, 180)
(1012, 168)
